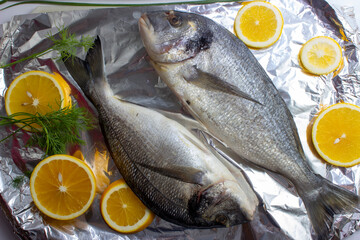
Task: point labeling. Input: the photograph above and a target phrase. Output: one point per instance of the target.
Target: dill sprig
(65, 43)
(57, 129)
(18, 181)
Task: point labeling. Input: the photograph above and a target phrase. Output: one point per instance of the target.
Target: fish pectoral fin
(205, 80)
(181, 173)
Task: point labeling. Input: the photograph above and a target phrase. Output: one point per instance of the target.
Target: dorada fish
(222, 85)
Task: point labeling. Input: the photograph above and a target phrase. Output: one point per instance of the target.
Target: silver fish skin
(220, 82)
(167, 167)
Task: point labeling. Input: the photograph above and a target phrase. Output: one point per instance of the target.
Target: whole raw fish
(166, 166)
(220, 82)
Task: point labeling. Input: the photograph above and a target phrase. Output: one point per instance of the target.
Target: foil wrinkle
(282, 214)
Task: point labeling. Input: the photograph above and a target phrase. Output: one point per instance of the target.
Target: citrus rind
(259, 44)
(16, 88)
(43, 208)
(24, 76)
(314, 135)
(139, 226)
(324, 42)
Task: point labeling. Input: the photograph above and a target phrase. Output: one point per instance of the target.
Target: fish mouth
(145, 25)
(146, 29)
(158, 47)
(148, 36)
(150, 39)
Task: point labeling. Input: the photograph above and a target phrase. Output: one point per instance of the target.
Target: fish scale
(223, 86)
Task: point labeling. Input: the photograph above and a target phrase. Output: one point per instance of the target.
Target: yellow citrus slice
(122, 210)
(99, 168)
(62, 187)
(321, 55)
(37, 92)
(258, 24)
(336, 134)
(78, 154)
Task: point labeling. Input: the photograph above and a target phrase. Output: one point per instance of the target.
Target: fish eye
(175, 21)
(222, 219)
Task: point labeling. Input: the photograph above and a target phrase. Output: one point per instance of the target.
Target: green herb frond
(18, 181)
(66, 44)
(57, 128)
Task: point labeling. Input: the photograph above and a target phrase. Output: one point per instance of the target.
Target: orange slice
(122, 210)
(78, 154)
(321, 55)
(336, 134)
(37, 92)
(99, 168)
(62, 187)
(258, 24)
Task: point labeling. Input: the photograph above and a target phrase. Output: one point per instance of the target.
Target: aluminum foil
(282, 214)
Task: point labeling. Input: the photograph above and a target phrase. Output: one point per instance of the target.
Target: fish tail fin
(324, 201)
(88, 73)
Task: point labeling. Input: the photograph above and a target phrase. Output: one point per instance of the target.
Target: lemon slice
(37, 92)
(259, 24)
(321, 55)
(122, 210)
(336, 134)
(62, 187)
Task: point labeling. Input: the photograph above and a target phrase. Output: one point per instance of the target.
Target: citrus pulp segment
(258, 24)
(62, 187)
(122, 210)
(336, 134)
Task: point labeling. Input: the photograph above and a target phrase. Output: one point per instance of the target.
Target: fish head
(217, 205)
(172, 36)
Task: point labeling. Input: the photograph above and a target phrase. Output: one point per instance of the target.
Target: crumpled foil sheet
(131, 76)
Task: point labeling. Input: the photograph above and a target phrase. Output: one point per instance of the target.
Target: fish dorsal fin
(181, 173)
(205, 80)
